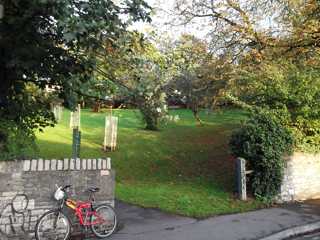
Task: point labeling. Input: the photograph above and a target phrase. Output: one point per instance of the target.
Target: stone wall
(27, 187)
(301, 177)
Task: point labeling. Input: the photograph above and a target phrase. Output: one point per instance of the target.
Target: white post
(110, 133)
(114, 133)
(241, 178)
(75, 118)
(71, 120)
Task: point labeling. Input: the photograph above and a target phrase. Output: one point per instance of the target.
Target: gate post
(241, 178)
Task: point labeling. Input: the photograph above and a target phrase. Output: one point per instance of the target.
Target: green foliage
(263, 141)
(46, 43)
(286, 87)
(149, 93)
(200, 77)
(15, 142)
(139, 72)
(274, 71)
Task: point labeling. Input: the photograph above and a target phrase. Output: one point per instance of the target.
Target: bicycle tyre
(111, 215)
(55, 213)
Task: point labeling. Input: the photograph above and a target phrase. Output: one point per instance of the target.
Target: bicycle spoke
(104, 221)
(53, 226)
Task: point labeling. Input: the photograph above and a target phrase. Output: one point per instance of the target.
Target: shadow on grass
(57, 150)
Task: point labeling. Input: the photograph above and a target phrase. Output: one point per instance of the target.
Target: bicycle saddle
(93, 189)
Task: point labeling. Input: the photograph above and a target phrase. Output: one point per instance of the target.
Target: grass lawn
(183, 169)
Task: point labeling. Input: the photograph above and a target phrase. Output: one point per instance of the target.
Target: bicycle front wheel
(103, 221)
(53, 225)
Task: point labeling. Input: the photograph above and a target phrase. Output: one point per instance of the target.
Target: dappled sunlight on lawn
(182, 168)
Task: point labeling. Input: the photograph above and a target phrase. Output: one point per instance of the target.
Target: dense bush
(15, 141)
(286, 86)
(263, 142)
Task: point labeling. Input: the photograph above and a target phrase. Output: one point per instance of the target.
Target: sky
(163, 16)
(161, 19)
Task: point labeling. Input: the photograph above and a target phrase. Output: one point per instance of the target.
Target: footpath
(137, 223)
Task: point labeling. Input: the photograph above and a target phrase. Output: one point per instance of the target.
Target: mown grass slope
(183, 168)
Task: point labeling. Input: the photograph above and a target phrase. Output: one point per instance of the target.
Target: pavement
(150, 224)
(313, 236)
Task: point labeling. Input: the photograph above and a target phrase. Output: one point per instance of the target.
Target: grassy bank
(183, 169)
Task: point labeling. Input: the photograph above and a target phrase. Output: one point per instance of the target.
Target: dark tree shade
(44, 42)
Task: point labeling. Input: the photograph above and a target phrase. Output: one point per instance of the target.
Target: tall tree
(140, 72)
(45, 43)
(275, 50)
(236, 26)
(201, 77)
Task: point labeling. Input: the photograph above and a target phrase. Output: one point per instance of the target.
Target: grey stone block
(34, 164)
(99, 163)
(78, 164)
(84, 164)
(53, 164)
(60, 165)
(108, 163)
(89, 164)
(40, 165)
(94, 164)
(16, 176)
(72, 164)
(66, 164)
(104, 163)
(46, 165)
(26, 165)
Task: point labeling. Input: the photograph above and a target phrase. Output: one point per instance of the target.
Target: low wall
(301, 177)
(27, 187)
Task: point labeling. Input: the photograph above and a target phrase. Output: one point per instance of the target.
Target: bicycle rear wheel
(104, 221)
(53, 225)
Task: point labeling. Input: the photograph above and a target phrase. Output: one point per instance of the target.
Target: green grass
(184, 168)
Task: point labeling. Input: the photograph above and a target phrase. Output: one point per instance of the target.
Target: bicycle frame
(84, 211)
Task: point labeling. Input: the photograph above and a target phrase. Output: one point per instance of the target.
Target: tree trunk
(151, 123)
(196, 116)
(195, 111)
(96, 107)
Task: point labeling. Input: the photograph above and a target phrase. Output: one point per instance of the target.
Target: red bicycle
(55, 224)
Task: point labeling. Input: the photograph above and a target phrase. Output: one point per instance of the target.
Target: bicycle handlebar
(65, 187)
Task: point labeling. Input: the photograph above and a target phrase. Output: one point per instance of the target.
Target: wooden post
(241, 178)
(79, 115)
(76, 133)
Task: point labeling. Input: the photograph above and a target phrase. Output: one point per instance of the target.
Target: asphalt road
(150, 224)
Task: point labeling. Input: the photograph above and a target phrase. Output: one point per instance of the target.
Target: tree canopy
(46, 43)
(273, 48)
(200, 78)
(140, 72)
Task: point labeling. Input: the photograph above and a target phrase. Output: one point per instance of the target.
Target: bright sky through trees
(162, 19)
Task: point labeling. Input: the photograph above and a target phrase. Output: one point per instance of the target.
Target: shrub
(263, 141)
(16, 142)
